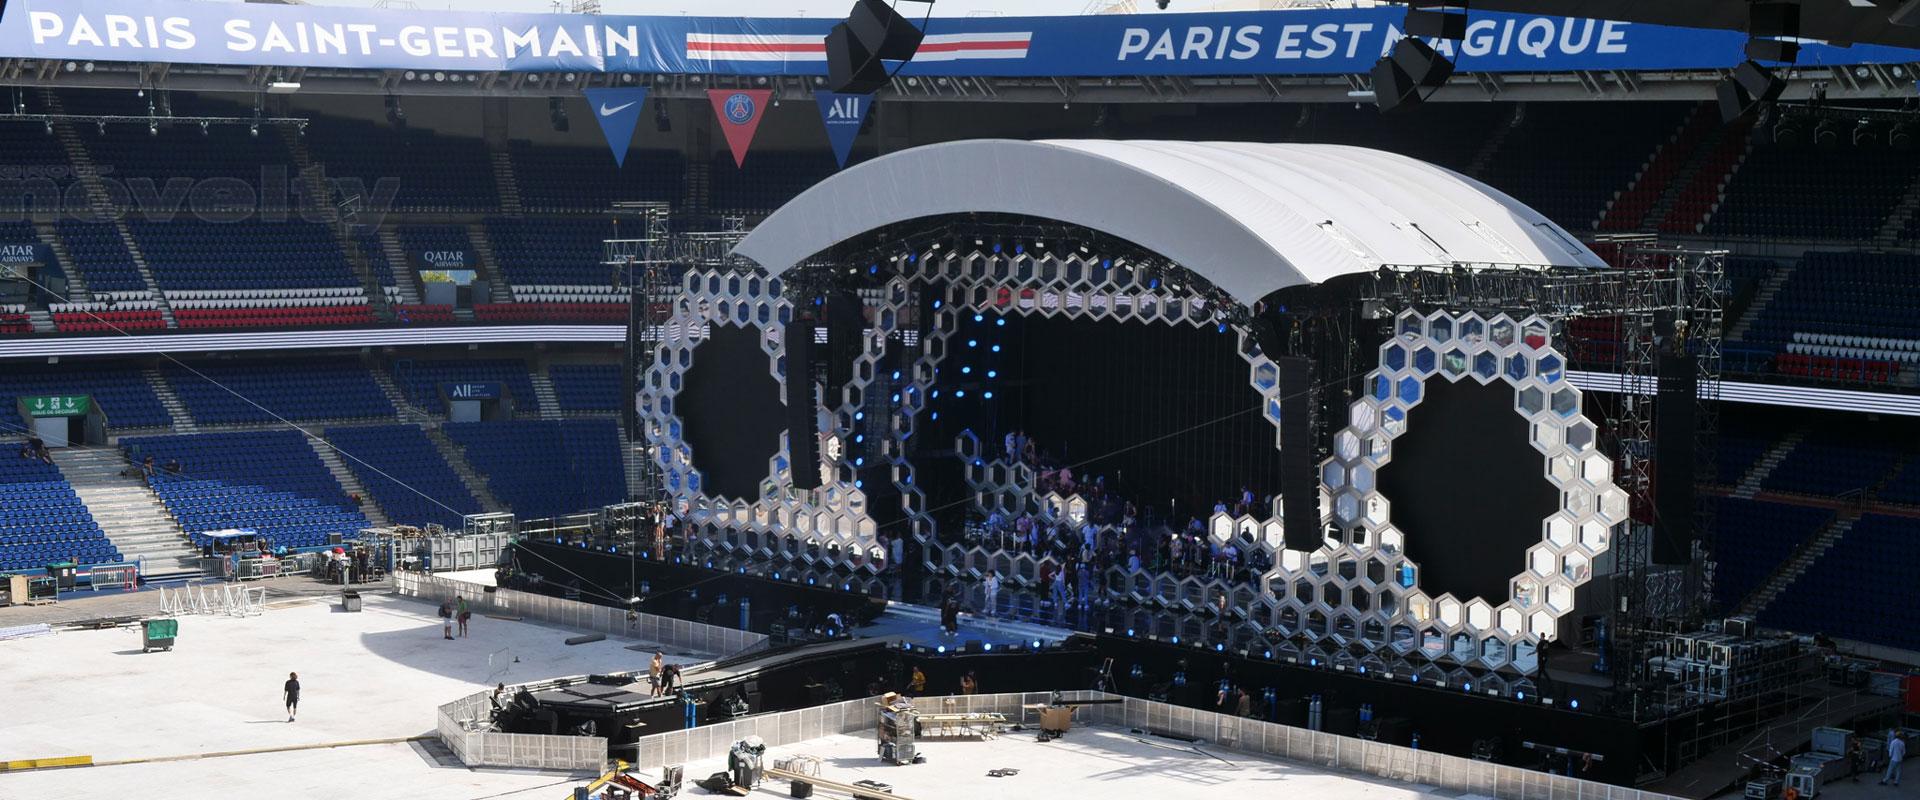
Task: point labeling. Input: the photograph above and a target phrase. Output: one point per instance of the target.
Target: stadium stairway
(1761, 297)
(403, 278)
(77, 289)
(403, 410)
(630, 457)
(313, 178)
(182, 418)
(544, 395)
(489, 267)
(41, 320)
(1898, 219)
(337, 465)
(1798, 564)
(504, 180)
(1750, 483)
(128, 512)
(468, 475)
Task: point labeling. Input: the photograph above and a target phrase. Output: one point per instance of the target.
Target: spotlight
(253, 130)
(153, 129)
(1864, 134)
(1790, 130)
(1826, 134)
(1900, 136)
(49, 128)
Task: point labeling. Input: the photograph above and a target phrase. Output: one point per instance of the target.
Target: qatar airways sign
(1303, 42)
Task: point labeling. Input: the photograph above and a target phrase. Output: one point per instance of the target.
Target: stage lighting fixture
(1791, 129)
(49, 128)
(1900, 136)
(1864, 134)
(101, 125)
(661, 121)
(153, 129)
(253, 129)
(395, 114)
(557, 114)
(1826, 134)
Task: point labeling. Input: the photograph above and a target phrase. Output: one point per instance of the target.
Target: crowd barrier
(462, 726)
(677, 634)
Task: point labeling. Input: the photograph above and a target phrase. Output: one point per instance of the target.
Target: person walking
(1896, 752)
(463, 615)
(446, 619)
(654, 669)
(291, 692)
(993, 594)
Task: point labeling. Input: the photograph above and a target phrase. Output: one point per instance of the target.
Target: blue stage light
(996, 348)
(873, 270)
(859, 462)
(859, 484)
(973, 342)
(996, 247)
(938, 303)
(1000, 323)
(988, 647)
(776, 576)
(960, 393)
(859, 415)
(1313, 662)
(1573, 704)
(1416, 678)
(966, 370)
(1266, 654)
(1222, 327)
(1466, 687)
(979, 318)
(988, 395)
(1176, 640)
(1129, 632)
(993, 373)
(1036, 644)
(941, 649)
(1519, 695)
(896, 374)
(936, 415)
(1219, 648)
(858, 438)
(896, 398)
(1106, 263)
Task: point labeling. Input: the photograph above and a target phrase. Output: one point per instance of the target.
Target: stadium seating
(587, 387)
(1630, 209)
(101, 257)
(41, 520)
(230, 169)
(228, 257)
(425, 171)
(1702, 193)
(107, 317)
(14, 320)
(1807, 191)
(1904, 486)
(423, 314)
(552, 251)
(1573, 191)
(1451, 135)
(1754, 538)
(586, 313)
(543, 468)
(421, 380)
(36, 175)
(1866, 298)
(304, 390)
(398, 464)
(583, 179)
(268, 481)
(768, 180)
(120, 392)
(1861, 589)
(1833, 464)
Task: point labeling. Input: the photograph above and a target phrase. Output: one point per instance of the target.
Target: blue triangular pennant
(618, 111)
(843, 114)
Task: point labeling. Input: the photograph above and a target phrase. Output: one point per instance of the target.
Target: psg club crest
(739, 113)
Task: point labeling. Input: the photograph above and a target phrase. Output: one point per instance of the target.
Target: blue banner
(618, 111)
(843, 115)
(1306, 42)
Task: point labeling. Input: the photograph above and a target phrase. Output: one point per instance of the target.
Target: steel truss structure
(1665, 299)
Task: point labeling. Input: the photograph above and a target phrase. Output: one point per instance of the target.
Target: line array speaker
(1299, 480)
(803, 438)
(1675, 424)
(856, 48)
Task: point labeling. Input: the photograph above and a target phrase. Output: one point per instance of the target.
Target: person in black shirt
(292, 691)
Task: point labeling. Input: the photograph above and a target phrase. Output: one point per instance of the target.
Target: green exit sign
(59, 406)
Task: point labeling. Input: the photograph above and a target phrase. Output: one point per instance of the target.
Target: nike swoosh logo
(608, 112)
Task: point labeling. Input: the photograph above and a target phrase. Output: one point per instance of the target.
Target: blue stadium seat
(268, 391)
(270, 481)
(41, 520)
(587, 387)
(1863, 588)
(421, 380)
(545, 468)
(398, 464)
(121, 392)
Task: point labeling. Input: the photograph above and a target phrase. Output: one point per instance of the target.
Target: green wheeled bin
(158, 634)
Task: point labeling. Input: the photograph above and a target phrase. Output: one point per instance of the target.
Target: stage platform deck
(376, 674)
(920, 626)
(1710, 775)
(1087, 762)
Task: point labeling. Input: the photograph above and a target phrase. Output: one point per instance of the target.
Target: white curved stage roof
(1250, 217)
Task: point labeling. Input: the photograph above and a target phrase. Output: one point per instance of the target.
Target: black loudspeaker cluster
(1414, 66)
(1675, 425)
(803, 438)
(1299, 480)
(857, 48)
(846, 321)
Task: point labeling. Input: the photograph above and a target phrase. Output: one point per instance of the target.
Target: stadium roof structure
(1252, 218)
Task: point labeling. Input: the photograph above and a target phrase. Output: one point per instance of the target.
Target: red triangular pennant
(740, 111)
